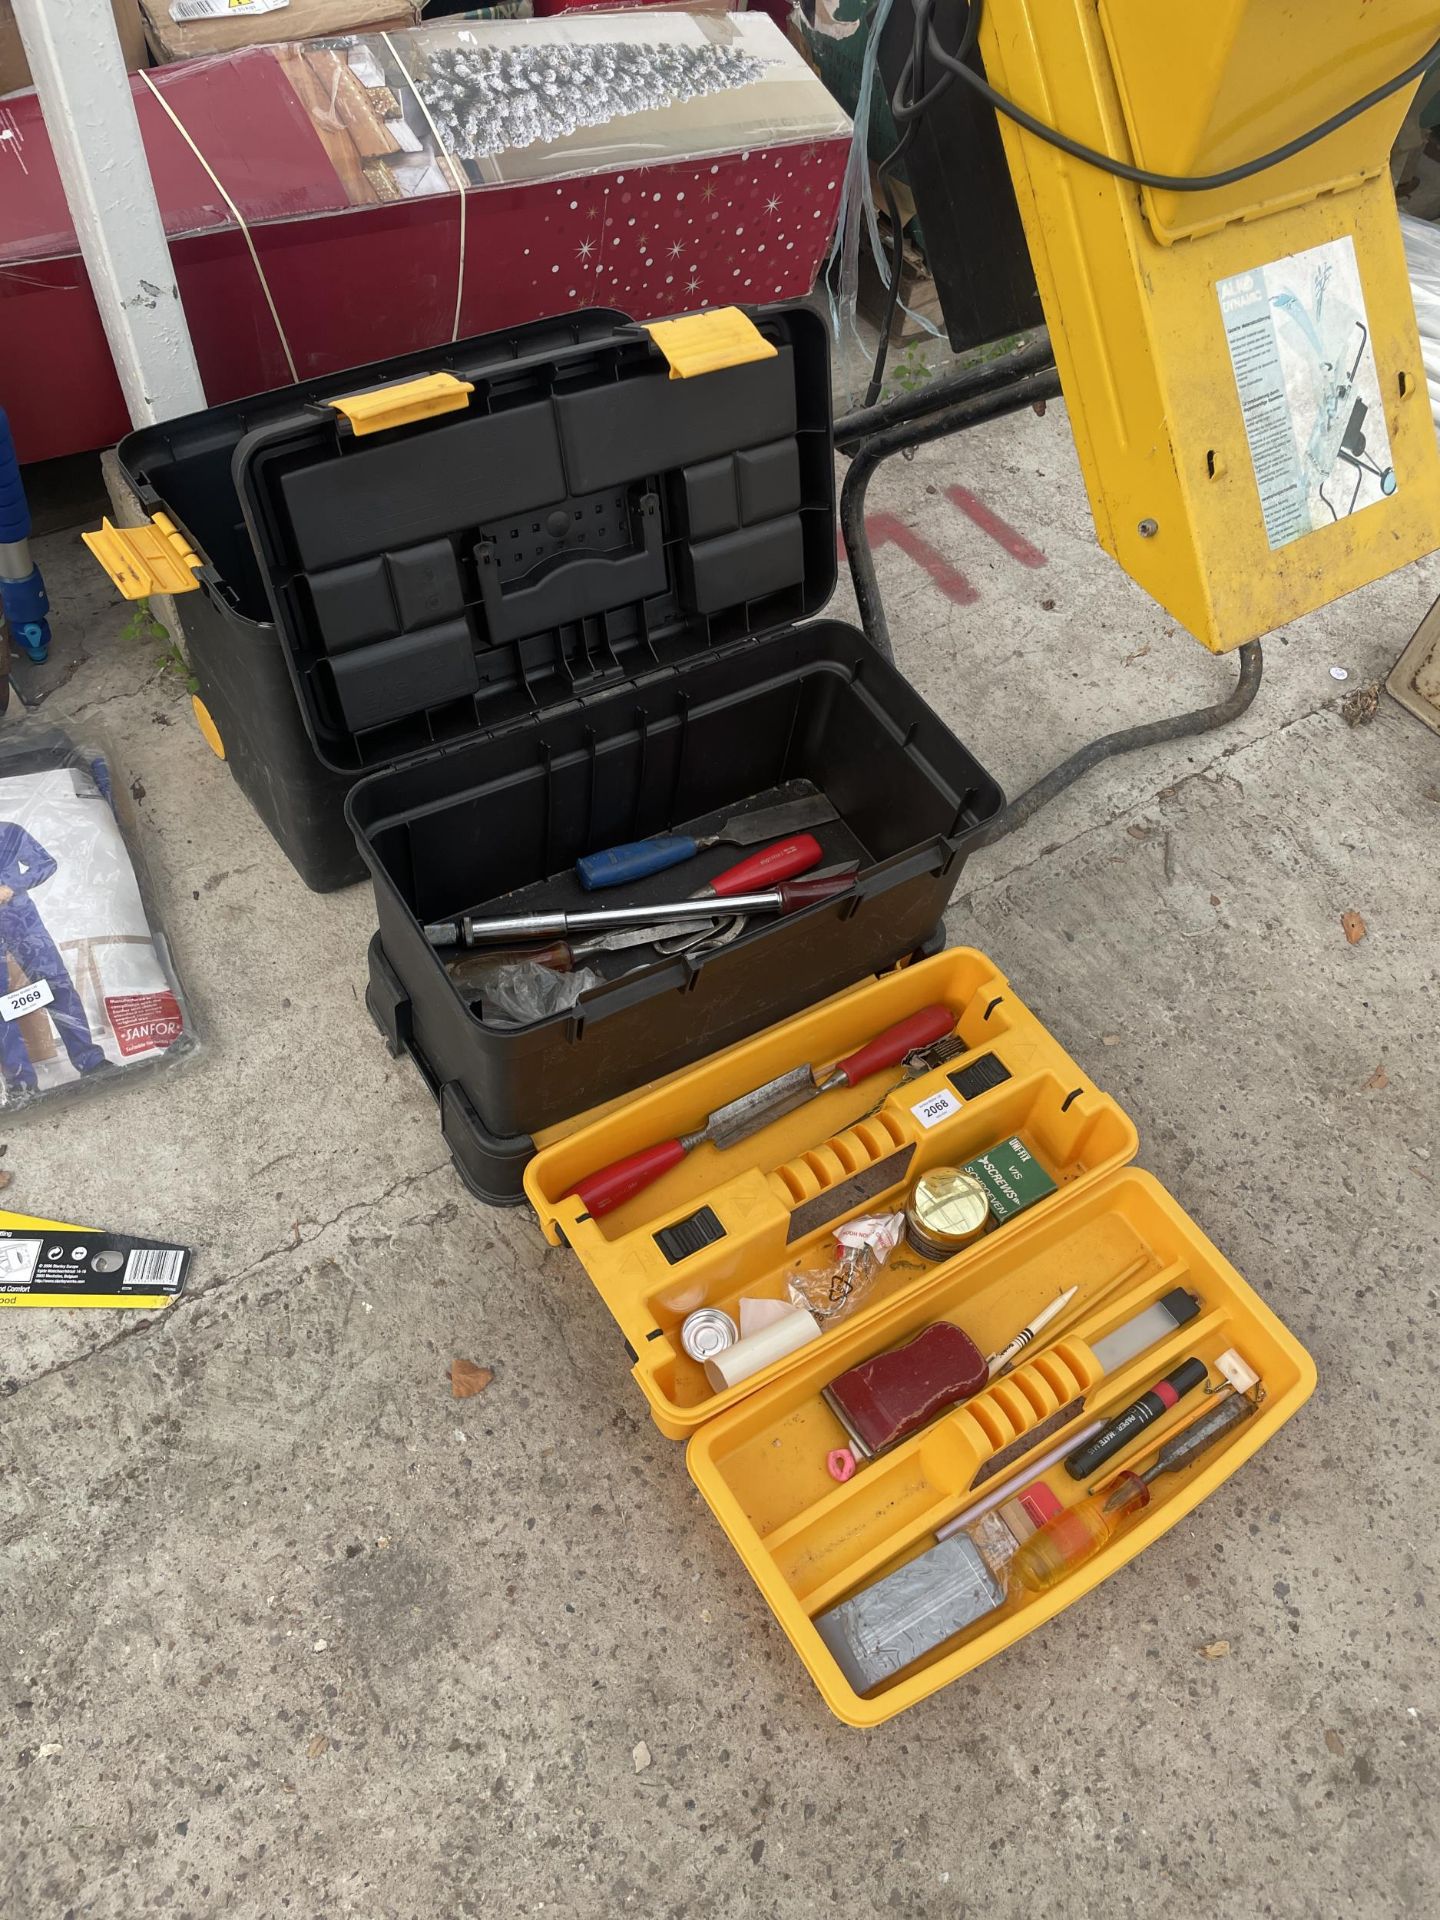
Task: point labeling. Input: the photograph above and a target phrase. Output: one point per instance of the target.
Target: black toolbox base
(491, 1166)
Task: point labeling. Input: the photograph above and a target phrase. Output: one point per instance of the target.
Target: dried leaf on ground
(1378, 1080)
(1138, 832)
(1138, 654)
(1214, 899)
(466, 1379)
(1216, 1649)
(1354, 925)
(1110, 1039)
(1360, 706)
(5, 1179)
(316, 1747)
(1334, 1742)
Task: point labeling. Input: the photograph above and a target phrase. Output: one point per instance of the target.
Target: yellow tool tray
(757, 1451)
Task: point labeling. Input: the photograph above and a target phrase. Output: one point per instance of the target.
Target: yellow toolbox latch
(705, 342)
(404, 403)
(155, 558)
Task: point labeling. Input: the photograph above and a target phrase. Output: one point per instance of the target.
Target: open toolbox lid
(719, 1226)
(538, 516)
(809, 1542)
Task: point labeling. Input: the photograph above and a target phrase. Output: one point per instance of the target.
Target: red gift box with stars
(338, 202)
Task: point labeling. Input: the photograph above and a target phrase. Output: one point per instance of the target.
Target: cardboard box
(172, 39)
(15, 68)
(715, 186)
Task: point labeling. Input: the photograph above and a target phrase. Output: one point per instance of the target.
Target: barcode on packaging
(222, 9)
(154, 1267)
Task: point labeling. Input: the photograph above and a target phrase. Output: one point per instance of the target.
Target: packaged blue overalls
(86, 988)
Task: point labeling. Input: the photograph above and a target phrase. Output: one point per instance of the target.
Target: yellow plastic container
(757, 1451)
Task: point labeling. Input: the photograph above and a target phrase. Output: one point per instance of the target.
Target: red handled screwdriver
(738, 1119)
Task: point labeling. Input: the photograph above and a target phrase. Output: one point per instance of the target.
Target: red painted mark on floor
(1000, 531)
(885, 530)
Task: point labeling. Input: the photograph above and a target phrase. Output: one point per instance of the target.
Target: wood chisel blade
(738, 1119)
(771, 823)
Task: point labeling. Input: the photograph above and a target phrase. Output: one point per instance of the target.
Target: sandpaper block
(884, 1400)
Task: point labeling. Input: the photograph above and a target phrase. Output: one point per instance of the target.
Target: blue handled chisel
(616, 865)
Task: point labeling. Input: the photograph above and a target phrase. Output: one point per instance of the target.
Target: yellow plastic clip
(705, 342)
(155, 558)
(404, 403)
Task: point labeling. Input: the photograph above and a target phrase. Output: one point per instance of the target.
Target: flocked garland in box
(494, 100)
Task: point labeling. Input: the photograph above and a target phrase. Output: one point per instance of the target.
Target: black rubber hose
(988, 392)
(1153, 733)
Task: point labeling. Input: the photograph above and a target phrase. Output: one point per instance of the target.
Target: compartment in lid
(810, 1543)
(574, 519)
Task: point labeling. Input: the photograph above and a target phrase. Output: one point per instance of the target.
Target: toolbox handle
(587, 583)
(403, 402)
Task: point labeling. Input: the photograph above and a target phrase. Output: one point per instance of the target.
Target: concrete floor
(284, 1629)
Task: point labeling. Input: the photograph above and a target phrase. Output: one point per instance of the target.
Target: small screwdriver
(1080, 1531)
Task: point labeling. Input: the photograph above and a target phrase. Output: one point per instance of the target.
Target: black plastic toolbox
(558, 599)
(245, 678)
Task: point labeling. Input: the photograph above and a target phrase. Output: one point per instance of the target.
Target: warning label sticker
(1299, 340)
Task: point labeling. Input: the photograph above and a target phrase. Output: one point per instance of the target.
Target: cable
(1151, 733)
(906, 113)
(1142, 176)
(897, 261)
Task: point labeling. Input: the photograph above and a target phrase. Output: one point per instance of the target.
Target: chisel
(471, 930)
(783, 860)
(738, 1119)
(637, 858)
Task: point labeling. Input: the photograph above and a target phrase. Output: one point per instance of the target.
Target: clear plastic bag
(861, 1248)
(519, 991)
(1422, 257)
(87, 988)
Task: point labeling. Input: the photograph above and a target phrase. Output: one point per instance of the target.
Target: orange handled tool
(736, 1121)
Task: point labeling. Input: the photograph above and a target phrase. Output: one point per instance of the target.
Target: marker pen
(1125, 1427)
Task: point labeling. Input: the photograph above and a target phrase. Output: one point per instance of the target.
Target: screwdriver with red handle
(738, 1119)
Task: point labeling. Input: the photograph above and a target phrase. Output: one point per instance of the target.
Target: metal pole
(79, 74)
